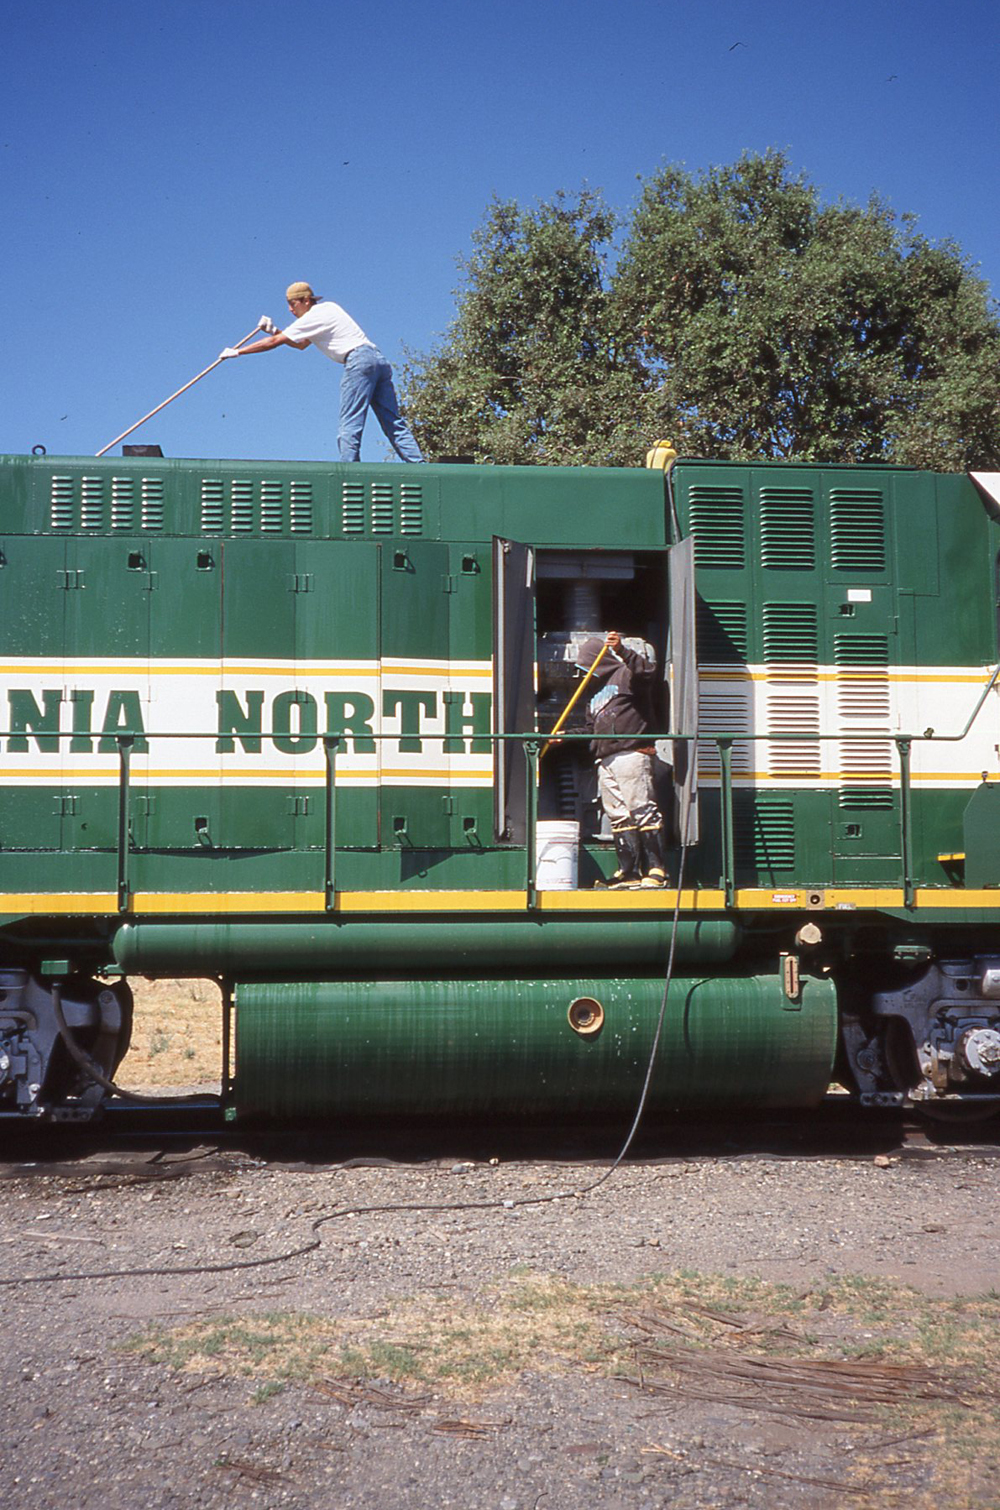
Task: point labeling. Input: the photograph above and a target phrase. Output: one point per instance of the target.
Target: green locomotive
(284, 725)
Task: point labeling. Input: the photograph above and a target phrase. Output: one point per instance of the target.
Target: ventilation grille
(717, 523)
(62, 497)
(857, 530)
(92, 503)
(301, 508)
(764, 832)
(382, 508)
(411, 509)
(272, 508)
(352, 508)
(724, 712)
(241, 506)
(864, 711)
(212, 506)
(788, 529)
(722, 633)
(151, 503)
(791, 632)
(861, 650)
(270, 505)
(866, 799)
(86, 508)
(794, 712)
(378, 511)
(122, 504)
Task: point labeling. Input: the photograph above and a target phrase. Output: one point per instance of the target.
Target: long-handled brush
(170, 400)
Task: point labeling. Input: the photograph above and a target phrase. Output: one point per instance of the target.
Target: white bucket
(557, 850)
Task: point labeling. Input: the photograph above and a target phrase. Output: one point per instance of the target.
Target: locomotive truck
(284, 725)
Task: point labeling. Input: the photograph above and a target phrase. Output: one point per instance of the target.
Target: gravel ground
(84, 1421)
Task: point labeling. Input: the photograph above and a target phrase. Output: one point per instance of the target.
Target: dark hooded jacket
(619, 711)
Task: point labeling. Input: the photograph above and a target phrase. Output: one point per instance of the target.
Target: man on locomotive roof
(367, 382)
(619, 714)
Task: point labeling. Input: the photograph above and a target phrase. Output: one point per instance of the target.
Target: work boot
(653, 864)
(629, 852)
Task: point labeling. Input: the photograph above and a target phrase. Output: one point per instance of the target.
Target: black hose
(92, 1071)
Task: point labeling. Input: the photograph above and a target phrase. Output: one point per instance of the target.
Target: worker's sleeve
(302, 329)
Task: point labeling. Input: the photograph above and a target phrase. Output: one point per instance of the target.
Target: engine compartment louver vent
(857, 530)
(213, 502)
(352, 508)
(62, 496)
(764, 832)
(382, 508)
(791, 632)
(92, 503)
(122, 504)
(722, 633)
(151, 503)
(411, 509)
(788, 529)
(241, 506)
(718, 525)
(301, 508)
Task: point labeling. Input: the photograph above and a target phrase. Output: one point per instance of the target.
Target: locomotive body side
(281, 724)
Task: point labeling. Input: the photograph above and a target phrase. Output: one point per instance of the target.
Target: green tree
(528, 371)
(774, 326)
(743, 319)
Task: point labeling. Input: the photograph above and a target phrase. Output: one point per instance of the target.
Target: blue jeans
(367, 384)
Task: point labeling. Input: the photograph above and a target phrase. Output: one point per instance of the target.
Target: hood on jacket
(587, 654)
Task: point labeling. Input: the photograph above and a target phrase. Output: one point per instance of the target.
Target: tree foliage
(529, 364)
(741, 317)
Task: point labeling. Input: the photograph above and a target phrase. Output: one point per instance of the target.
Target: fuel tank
(528, 1048)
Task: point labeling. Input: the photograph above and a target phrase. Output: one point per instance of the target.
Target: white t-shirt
(330, 329)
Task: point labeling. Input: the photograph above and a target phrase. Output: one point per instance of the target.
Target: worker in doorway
(619, 715)
(367, 382)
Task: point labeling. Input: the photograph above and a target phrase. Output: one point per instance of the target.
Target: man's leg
(385, 407)
(623, 829)
(634, 773)
(356, 388)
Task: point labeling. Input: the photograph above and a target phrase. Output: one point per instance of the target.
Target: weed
(266, 1391)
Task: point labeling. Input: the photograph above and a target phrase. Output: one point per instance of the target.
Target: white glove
(265, 323)
(228, 351)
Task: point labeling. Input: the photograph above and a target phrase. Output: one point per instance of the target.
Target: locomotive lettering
(248, 721)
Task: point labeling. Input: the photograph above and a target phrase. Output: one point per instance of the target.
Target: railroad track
(190, 1131)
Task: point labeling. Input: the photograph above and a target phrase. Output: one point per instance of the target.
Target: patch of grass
(551, 1325)
(266, 1391)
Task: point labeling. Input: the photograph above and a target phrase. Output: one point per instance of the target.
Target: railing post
(331, 744)
(125, 742)
(531, 747)
(905, 822)
(728, 839)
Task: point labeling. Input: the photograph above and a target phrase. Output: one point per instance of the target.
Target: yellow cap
(661, 455)
(299, 291)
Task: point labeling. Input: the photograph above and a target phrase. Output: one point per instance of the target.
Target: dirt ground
(176, 1035)
(749, 1315)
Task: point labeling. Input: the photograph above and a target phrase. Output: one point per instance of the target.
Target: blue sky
(167, 168)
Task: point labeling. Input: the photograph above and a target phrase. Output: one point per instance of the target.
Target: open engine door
(513, 680)
(684, 688)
